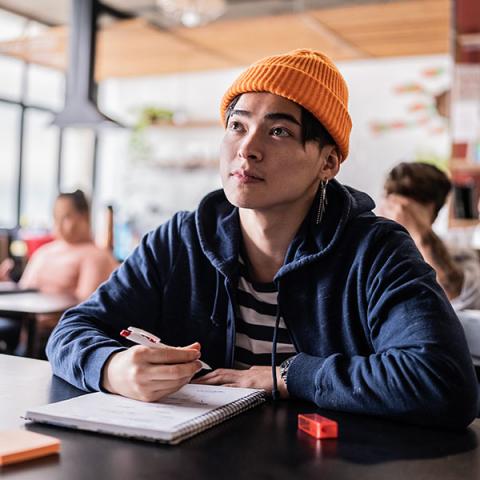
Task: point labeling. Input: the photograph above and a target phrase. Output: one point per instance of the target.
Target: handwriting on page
(189, 402)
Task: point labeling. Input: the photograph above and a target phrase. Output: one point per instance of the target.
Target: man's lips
(246, 176)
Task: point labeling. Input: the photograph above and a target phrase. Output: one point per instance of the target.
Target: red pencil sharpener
(317, 426)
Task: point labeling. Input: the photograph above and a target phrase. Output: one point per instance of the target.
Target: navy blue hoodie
(374, 331)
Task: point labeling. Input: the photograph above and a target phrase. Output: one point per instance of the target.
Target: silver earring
(322, 201)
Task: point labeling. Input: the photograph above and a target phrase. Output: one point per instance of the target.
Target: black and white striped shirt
(255, 323)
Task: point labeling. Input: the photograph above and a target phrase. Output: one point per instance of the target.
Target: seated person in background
(283, 280)
(414, 194)
(71, 264)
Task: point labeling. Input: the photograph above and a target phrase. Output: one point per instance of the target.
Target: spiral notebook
(191, 410)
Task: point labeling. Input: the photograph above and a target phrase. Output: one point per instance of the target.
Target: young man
(414, 194)
(277, 268)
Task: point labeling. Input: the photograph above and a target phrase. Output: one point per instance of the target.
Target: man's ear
(331, 159)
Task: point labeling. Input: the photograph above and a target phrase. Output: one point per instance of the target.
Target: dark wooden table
(25, 306)
(262, 443)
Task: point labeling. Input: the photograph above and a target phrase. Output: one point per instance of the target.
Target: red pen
(142, 337)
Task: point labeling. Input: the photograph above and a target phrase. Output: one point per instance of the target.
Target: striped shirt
(255, 323)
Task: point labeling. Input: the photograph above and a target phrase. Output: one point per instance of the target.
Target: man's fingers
(208, 381)
(173, 372)
(194, 345)
(220, 376)
(170, 385)
(156, 392)
(171, 355)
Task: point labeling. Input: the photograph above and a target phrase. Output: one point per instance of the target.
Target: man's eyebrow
(283, 116)
(243, 113)
(269, 116)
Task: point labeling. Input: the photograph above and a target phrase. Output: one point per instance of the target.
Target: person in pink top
(71, 264)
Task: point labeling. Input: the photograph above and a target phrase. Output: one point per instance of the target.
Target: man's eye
(280, 132)
(233, 125)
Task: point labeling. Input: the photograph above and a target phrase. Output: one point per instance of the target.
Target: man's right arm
(88, 335)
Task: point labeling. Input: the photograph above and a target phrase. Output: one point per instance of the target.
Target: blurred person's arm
(30, 276)
(95, 268)
(5, 268)
(415, 217)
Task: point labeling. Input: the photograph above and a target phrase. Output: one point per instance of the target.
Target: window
(11, 71)
(40, 163)
(45, 87)
(9, 134)
(29, 97)
(13, 26)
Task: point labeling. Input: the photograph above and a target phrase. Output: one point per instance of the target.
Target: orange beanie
(306, 77)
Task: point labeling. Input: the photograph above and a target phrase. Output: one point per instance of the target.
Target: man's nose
(251, 146)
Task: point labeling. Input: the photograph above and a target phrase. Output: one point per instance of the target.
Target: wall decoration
(421, 106)
(172, 139)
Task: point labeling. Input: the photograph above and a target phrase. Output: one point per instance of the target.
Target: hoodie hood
(218, 227)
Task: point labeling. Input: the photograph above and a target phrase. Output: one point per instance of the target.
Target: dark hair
(422, 182)
(312, 129)
(78, 199)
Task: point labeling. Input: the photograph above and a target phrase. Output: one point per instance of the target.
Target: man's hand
(254, 377)
(149, 374)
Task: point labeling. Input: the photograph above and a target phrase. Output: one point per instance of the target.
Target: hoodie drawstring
(213, 316)
(275, 392)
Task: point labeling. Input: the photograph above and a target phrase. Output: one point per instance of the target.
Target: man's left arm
(420, 370)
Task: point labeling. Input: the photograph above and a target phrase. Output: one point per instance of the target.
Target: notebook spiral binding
(216, 416)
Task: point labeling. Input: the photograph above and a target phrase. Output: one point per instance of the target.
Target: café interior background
(149, 172)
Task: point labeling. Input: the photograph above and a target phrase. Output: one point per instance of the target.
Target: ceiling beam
(135, 47)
